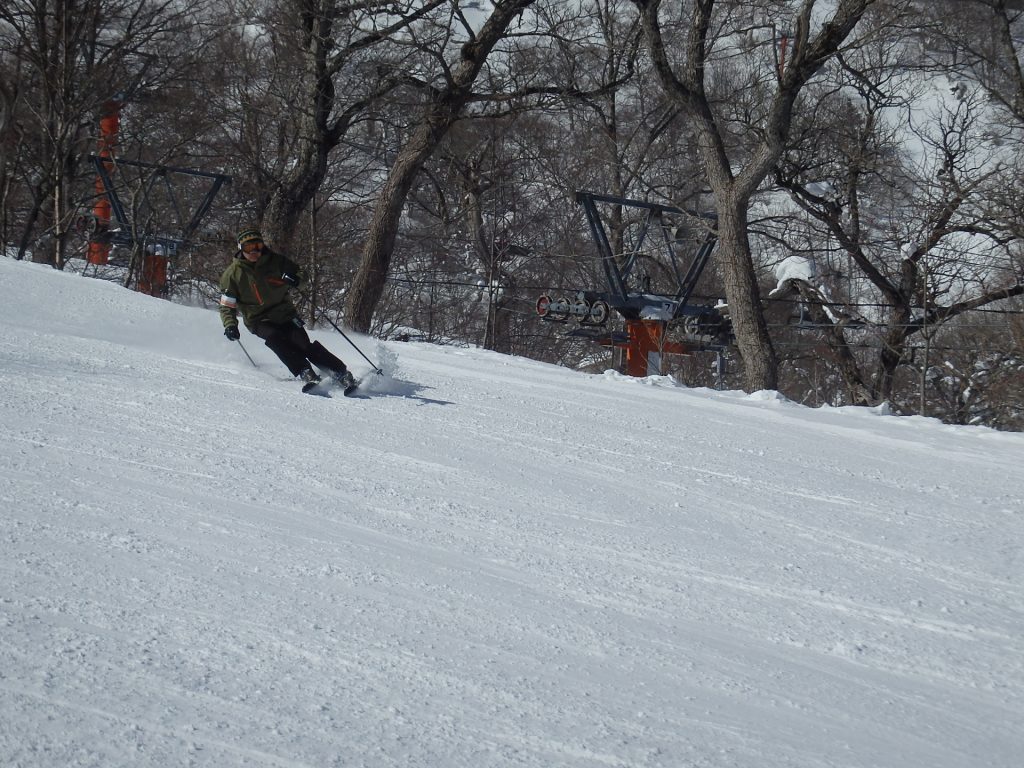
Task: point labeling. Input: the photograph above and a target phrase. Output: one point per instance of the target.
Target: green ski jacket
(257, 290)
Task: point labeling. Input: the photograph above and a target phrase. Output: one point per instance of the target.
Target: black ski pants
(290, 342)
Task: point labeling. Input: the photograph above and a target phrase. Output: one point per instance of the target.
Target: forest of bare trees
(862, 160)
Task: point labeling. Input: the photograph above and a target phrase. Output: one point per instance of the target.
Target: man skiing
(256, 284)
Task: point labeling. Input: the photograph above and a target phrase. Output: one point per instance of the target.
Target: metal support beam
(125, 234)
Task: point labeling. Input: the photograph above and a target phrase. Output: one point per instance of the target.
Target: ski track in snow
(487, 561)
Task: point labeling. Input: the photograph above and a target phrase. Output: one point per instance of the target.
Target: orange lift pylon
(647, 345)
(110, 125)
(153, 277)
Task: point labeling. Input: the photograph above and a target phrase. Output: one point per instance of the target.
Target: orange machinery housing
(110, 125)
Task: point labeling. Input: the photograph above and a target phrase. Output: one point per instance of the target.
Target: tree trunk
(368, 285)
(31, 219)
(318, 135)
(753, 342)
(293, 197)
(893, 349)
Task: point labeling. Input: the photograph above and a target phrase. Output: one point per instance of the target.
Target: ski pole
(247, 353)
(376, 368)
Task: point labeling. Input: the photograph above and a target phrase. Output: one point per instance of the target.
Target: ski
(323, 387)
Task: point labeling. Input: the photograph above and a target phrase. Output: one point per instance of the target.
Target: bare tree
(305, 72)
(444, 108)
(922, 233)
(742, 134)
(74, 56)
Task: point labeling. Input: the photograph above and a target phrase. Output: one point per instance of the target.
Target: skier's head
(250, 242)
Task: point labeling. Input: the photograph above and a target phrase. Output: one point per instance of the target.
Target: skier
(256, 284)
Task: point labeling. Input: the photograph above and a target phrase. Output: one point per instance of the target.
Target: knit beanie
(249, 235)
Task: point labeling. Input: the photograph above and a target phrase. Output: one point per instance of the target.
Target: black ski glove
(291, 279)
(231, 332)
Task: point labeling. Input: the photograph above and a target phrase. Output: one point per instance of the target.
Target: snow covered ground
(487, 562)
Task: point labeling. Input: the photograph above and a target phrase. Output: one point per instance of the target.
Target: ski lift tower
(177, 226)
(648, 315)
(159, 230)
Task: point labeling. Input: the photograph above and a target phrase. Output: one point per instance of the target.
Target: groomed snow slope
(487, 562)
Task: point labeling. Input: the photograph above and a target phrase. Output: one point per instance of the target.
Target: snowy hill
(487, 562)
